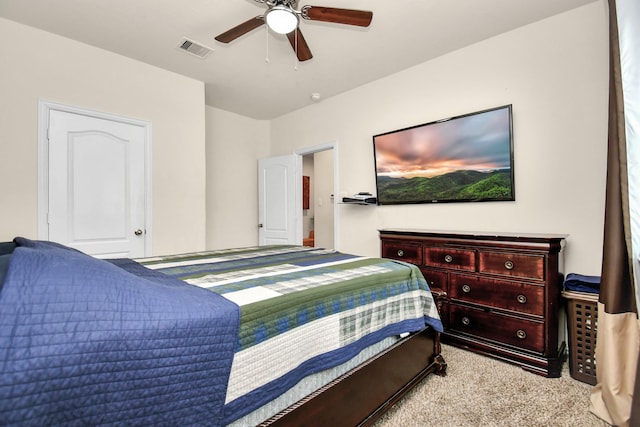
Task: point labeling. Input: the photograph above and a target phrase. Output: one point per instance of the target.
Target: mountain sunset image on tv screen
(466, 158)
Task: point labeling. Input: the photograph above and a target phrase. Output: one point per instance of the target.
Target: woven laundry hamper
(582, 324)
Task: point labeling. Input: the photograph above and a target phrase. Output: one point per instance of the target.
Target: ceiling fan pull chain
(266, 59)
(295, 66)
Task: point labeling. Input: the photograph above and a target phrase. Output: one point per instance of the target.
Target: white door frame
(44, 107)
(333, 145)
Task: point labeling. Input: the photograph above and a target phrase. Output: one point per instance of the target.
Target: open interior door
(279, 194)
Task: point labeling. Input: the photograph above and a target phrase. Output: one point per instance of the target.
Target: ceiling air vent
(194, 48)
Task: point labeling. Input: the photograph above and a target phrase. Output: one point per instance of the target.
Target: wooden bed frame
(362, 395)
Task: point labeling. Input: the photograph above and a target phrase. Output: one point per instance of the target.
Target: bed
(271, 335)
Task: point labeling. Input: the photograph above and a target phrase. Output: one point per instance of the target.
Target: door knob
(260, 226)
(138, 232)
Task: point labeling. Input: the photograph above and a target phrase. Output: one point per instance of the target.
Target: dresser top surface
(475, 235)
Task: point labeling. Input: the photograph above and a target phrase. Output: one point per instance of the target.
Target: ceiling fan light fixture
(281, 19)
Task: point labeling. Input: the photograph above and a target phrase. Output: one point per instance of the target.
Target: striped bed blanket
(302, 310)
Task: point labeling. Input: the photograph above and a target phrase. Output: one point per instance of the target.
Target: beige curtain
(618, 341)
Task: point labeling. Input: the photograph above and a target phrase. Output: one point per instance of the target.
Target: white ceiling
(239, 78)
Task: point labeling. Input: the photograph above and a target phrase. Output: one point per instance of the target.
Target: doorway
(320, 165)
(281, 217)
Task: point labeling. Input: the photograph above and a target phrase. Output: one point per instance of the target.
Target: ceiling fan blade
(361, 18)
(299, 45)
(240, 30)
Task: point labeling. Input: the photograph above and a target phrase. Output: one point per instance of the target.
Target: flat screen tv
(467, 158)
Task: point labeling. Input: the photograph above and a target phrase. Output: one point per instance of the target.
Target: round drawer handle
(466, 289)
(522, 299)
(400, 252)
(521, 334)
(448, 258)
(466, 321)
(508, 265)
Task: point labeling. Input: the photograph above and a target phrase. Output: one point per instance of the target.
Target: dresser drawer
(512, 264)
(437, 280)
(507, 295)
(457, 259)
(522, 333)
(403, 251)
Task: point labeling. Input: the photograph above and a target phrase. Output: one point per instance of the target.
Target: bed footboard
(362, 395)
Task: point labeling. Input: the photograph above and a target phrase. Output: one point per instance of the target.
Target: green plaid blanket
(303, 309)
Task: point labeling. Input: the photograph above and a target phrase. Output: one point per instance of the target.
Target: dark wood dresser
(498, 294)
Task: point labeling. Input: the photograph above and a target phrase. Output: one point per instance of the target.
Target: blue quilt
(83, 342)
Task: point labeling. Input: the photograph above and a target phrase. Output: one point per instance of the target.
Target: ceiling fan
(283, 17)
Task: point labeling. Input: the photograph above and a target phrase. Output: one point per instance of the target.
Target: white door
(277, 200)
(96, 179)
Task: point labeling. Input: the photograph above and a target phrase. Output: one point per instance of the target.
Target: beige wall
(554, 72)
(234, 145)
(39, 65)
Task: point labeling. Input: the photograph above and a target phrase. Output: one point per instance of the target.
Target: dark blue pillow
(7, 247)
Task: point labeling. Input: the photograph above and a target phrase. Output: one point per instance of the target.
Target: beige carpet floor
(480, 391)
